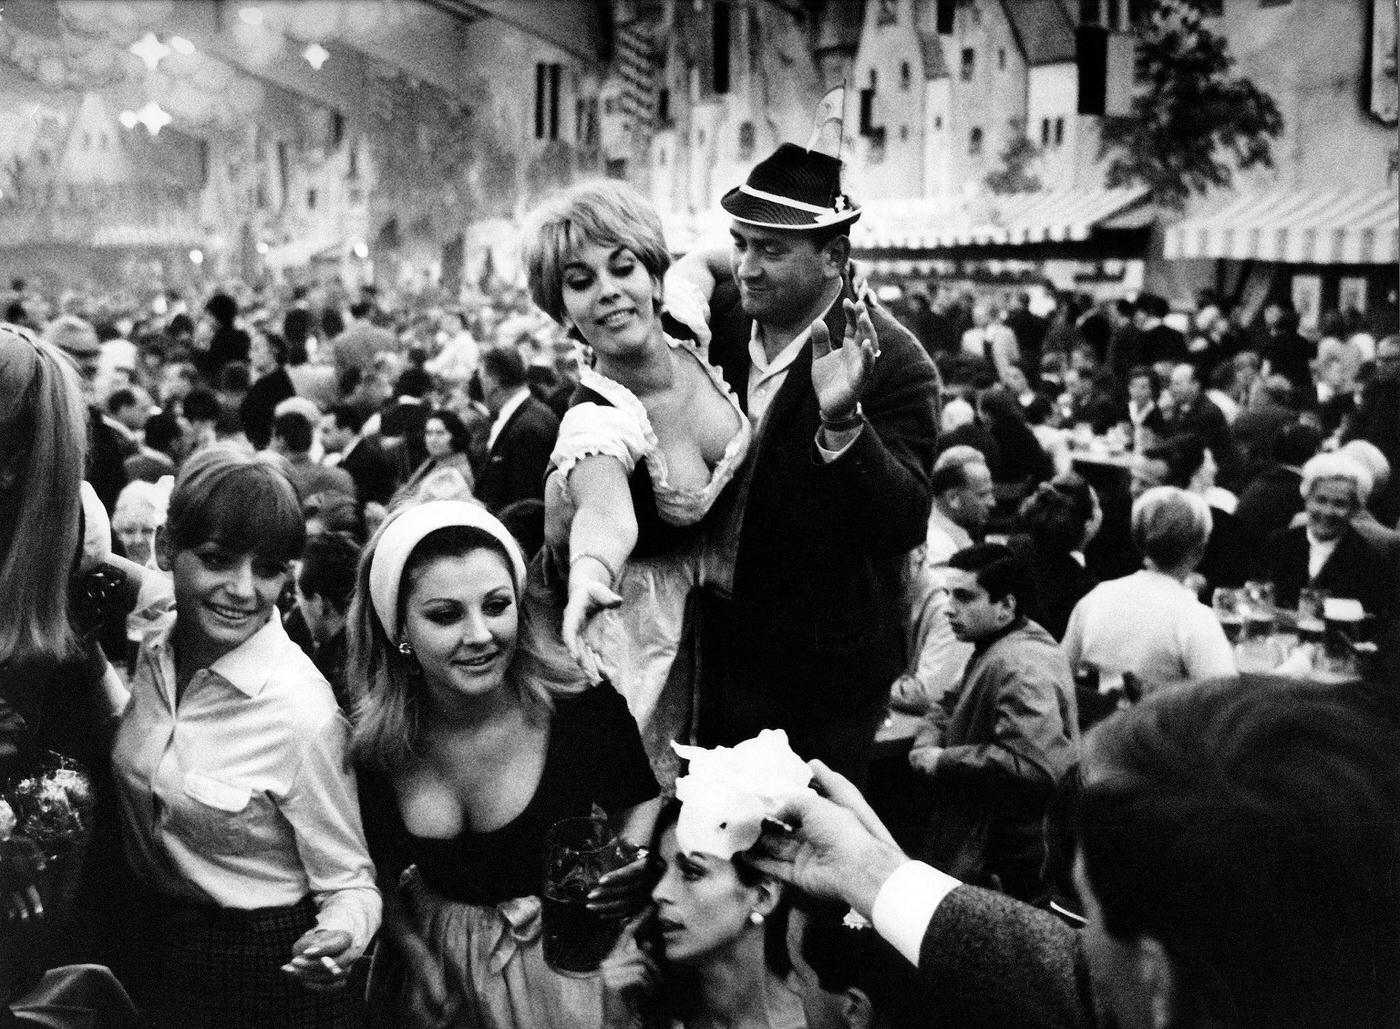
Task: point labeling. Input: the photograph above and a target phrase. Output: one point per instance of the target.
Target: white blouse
(623, 431)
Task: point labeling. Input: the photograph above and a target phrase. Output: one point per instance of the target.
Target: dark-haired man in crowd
(845, 403)
(227, 342)
(1228, 882)
(1193, 413)
(1272, 499)
(523, 431)
(364, 459)
(1157, 342)
(162, 449)
(292, 436)
(995, 748)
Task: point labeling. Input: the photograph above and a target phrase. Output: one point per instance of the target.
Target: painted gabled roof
(935, 67)
(1043, 29)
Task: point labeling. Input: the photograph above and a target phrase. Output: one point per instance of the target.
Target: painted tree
(1193, 123)
(1016, 173)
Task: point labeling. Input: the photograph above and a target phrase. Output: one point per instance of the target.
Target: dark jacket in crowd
(375, 472)
(516, 464)
(1364, 568)
(814, 635)
(106, 460)
(1269, 503)
(259, 407)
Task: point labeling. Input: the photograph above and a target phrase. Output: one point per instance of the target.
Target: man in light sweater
(1226, 879)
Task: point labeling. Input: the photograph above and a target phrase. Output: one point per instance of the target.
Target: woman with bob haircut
(1328, 551)
(1150, 624)
(469, 752)
(652, 440)
(232, 764)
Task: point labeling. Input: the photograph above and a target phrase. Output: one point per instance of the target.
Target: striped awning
(1295, 228)
(147, 236)
(931, 223)
(301, 252)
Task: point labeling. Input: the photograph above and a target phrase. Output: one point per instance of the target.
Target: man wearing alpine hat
(844, 401)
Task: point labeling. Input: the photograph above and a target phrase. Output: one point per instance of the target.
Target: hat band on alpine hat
(793, 189)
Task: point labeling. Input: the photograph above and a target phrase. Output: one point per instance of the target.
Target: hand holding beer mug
(578, 931)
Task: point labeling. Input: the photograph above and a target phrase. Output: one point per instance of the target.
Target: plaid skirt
(217, 968)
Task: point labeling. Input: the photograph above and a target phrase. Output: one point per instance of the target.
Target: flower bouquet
(51, 805)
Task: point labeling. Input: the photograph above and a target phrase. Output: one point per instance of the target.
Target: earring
(405, 649)
(756, 917)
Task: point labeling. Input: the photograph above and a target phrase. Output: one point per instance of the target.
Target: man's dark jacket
(814, 628)
(516, 465)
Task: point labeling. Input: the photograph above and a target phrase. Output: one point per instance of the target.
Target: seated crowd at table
(325, 614)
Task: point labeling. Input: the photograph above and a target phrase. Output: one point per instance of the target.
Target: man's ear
(856, 1010)
(1159, 980)
(836, 255)
(164, 552)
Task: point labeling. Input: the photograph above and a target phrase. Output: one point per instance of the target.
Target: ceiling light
(263, 247)
(153, 117)
(360, 249)
(128, 119)
(196, 256)
(251, 15)
(150, 50)
(181, 45)
(316, 55)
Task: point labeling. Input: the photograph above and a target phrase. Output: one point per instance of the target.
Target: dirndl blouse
(608, 419)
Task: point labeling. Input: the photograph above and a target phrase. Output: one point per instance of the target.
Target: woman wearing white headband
(470, 758)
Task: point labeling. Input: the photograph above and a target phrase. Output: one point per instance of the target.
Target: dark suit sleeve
(531, 445)
(990, 961)
(881, 482)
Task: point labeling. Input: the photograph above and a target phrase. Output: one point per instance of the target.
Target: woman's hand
(587, 597)
(322, 959)
(21, 862)
(624, 891)
(629, 977)
(840, 369)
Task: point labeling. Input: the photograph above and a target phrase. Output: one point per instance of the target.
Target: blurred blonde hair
(43, 446)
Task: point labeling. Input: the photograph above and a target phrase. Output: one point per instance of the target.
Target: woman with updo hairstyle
(1053, 526)
(718, 936)
(1150, 625)
(651, 442)
(232, 763)
(469, 752)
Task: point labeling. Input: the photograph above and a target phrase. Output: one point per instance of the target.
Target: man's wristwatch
(848, 423)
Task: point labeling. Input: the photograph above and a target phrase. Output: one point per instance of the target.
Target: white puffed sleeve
(589, 430)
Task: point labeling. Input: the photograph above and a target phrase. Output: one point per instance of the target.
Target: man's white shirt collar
(507, 409)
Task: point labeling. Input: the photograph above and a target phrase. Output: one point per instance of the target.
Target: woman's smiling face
(223, 597)
(461, 620)
(610, 297)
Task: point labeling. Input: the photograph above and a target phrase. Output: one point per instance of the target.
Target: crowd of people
(336, 604)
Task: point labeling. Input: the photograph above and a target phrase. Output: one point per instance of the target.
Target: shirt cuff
(906, 904)
(356, 911)
(829, 455)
